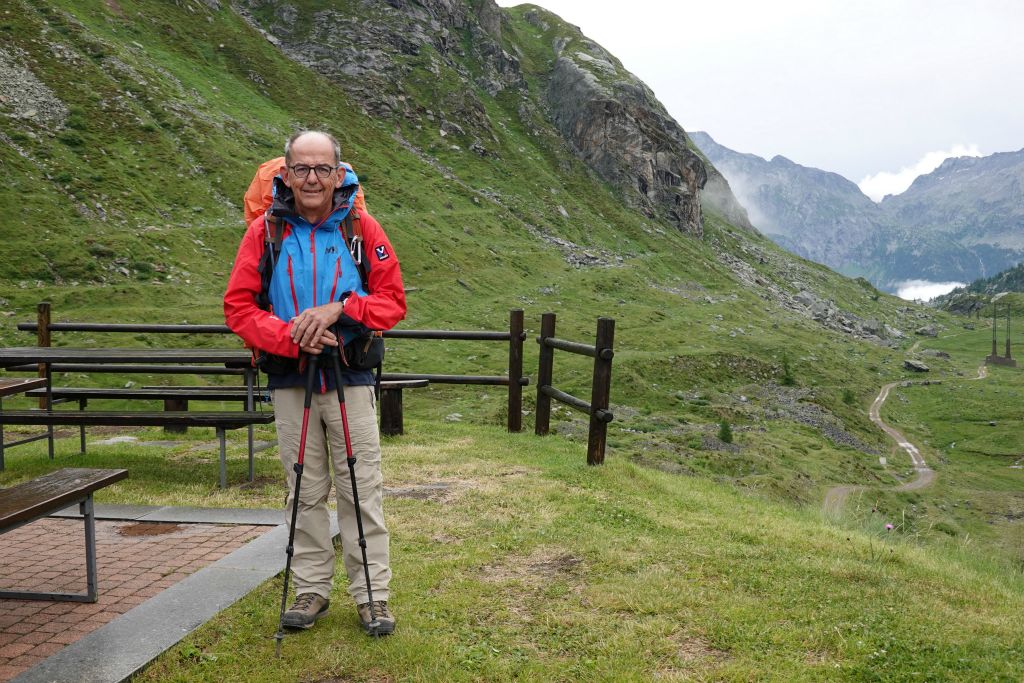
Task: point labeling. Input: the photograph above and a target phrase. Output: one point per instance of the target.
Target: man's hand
(310, 328)
(325, 339)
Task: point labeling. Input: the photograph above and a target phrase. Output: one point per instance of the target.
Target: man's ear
(283, 172)
(341, 177)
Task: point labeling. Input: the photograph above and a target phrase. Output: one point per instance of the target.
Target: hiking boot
(306, 609)
(385, 625)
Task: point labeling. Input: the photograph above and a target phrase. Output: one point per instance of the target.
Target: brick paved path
(135, 561)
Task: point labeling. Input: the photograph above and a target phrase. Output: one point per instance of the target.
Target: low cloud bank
(885, 182)
(925, 290)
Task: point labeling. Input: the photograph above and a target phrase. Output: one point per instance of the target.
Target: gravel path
(836, 496)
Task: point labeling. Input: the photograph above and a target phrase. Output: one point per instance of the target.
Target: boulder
(927, 331)
(806, 298)
(893, 333)
(915, 365)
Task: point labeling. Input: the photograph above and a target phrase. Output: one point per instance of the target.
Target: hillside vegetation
(131, 129)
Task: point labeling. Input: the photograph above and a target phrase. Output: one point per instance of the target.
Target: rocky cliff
(386, 55)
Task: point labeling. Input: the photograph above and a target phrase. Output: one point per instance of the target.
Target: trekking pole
(297, 467)
(334, 356)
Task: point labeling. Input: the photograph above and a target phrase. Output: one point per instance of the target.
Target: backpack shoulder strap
(354, 239)
(268, 261)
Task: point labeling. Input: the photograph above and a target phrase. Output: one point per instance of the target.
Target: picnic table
(12, 386)
(45, 495)
(62, 358)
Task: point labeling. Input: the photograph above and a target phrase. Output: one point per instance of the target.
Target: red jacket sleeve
(384, 307)
(258, 328)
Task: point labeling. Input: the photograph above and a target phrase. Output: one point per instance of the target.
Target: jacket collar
(283, 205)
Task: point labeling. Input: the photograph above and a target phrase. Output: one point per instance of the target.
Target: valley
(130, 130)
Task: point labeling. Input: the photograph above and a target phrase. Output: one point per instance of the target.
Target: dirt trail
(836, 496)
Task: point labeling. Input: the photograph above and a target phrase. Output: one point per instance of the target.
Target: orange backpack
(260, 194)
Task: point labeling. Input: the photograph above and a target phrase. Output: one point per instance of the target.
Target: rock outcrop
(607, 117)
(614, 123)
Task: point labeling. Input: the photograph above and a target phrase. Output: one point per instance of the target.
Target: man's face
(313, 194)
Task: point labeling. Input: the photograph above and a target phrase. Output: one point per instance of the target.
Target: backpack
(260, 194)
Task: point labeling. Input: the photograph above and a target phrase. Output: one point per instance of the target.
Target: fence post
(547, 357)
(601, 392)
(515, 370)
(42, 337)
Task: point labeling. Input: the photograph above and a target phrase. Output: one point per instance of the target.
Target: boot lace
(303, 602)
(380, 608)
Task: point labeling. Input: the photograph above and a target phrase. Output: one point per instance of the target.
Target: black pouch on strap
(366, 352)
(276, 365)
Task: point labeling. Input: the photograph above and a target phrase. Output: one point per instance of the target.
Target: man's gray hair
(296, 136)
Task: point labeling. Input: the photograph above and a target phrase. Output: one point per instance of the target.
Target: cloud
(924, 290)
(885, 182)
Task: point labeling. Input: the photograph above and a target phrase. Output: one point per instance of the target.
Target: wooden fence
(514, 380)
(602, 353)
(515, 336)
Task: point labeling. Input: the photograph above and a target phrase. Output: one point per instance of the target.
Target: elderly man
(316, 288)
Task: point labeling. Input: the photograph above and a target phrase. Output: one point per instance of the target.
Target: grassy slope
(970, 432)
(169, 162)
(531, 566)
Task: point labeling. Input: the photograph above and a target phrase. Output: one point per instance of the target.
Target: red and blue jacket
(314, 267)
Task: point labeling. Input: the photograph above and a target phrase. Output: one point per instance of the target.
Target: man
(316, 284)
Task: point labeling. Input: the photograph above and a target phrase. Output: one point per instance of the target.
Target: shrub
(787, 373)
(848, 397)
(725, 432)
(71, 139)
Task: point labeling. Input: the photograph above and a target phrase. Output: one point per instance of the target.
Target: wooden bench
(11, 386)
(45, 495)
(174, 398)
(221, 421)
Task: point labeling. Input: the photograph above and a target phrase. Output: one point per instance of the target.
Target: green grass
(969, 431)
(532, 566)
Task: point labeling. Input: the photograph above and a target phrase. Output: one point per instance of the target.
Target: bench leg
(49, 406)
(175, 404)
(391, 412)
(252, 466)
(221, 436)
(82, 403)
(91, 580)
(250, 404)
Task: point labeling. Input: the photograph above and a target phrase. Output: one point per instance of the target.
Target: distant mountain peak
(962, 221)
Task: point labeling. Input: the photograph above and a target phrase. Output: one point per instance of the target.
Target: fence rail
(515, 336)
(602, 353)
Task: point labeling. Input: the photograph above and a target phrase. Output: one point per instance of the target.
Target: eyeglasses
(323, 171)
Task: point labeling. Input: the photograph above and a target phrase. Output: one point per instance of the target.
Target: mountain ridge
(959, 222)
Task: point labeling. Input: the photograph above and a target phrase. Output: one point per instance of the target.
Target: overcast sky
(878, 91)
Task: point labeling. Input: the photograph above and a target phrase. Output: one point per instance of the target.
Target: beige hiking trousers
(313, 561)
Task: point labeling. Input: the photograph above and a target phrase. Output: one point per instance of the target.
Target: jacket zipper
(337, 275)
(312, 251)
(291, 283)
